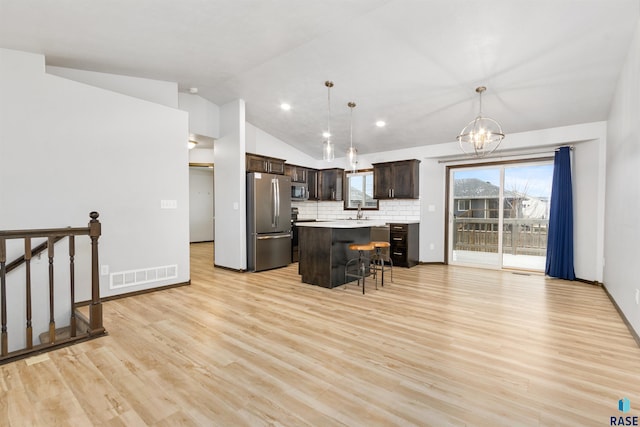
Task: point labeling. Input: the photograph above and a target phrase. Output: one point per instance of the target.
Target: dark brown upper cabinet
(258, 163)
(297, 173)
(396, 180)
(330, 183)
(312, 184)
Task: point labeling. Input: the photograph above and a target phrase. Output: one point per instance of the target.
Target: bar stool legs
(379, 261)
(357, 268)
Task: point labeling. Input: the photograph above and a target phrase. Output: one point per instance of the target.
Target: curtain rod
(498, 157)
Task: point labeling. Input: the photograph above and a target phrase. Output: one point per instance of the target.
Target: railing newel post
(95, 311)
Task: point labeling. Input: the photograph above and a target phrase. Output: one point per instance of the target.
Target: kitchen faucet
(359, 214)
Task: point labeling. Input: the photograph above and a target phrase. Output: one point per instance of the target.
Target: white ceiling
(413, 63)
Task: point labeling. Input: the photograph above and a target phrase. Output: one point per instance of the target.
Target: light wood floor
(440, 346)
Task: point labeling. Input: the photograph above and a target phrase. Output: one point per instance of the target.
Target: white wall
(204, 116)
(201, 155)
(160, 92)
(201, 204)
(67, 148)
(230, 188)
(622, 229)
(589, 175)
(260, 142)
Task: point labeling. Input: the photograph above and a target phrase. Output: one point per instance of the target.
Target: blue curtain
(560, 237)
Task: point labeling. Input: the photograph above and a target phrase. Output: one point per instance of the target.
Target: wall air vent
(125, 279)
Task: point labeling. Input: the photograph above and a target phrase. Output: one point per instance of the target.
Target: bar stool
(359, 268)
(379, 261)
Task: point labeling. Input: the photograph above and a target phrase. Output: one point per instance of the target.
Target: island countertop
(344, 223)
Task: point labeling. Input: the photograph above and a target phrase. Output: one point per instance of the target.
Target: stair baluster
(27, 261)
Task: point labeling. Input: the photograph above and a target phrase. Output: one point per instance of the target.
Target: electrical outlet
(637, 296)
(104, 270)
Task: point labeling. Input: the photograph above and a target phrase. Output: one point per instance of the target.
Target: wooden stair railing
(93, 326)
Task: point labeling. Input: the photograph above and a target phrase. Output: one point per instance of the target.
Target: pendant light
(328, 151)
(482, 135)
(352, 153)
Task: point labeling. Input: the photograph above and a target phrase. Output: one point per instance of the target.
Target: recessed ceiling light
(380, 123)
(285, 106)
(326, 134)
(193, 90)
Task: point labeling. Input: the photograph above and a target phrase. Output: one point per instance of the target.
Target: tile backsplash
(392, 210)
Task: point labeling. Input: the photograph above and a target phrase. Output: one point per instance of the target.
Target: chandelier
(482, 135)
(352, 153)
(328, 151)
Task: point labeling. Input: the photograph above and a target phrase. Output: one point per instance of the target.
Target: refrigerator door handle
(277, 236)
(273, 202)
(277, 202)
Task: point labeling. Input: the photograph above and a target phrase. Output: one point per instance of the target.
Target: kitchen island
(324, 248)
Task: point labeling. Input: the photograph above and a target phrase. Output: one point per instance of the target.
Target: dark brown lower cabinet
(324, 252)
(405, 244)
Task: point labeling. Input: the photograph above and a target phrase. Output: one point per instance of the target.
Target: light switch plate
(168, 204)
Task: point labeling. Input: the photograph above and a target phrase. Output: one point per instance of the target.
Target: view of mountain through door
(499, 215)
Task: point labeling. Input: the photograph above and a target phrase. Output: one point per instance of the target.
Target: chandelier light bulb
(352, 156)
(328, 152)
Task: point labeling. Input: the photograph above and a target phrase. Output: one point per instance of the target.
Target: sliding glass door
(474, 216)
(498, 215)
(527, 196)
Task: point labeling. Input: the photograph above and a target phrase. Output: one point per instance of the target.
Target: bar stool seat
(359, 268)
(379, 261)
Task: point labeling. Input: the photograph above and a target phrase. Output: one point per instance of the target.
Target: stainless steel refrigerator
(268, 221)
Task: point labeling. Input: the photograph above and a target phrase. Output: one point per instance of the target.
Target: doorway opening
(201, 203)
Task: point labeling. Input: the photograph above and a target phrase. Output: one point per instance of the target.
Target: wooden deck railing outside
(520, 236)
(79, 327)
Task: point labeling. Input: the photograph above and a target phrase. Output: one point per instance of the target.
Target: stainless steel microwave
(299, 191)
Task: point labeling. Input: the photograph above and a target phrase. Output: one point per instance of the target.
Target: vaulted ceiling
(412, 63)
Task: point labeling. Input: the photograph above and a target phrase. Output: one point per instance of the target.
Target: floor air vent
(125, 279)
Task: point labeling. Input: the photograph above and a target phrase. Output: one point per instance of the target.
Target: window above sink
(359, 190)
